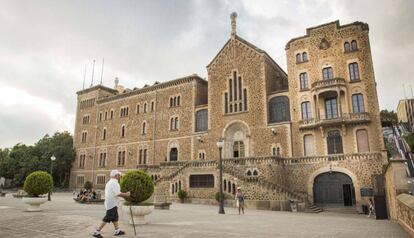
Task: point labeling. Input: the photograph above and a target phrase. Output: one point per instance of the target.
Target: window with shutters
(309, 145)
(362, 140)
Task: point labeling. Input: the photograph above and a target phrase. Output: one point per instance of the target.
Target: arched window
(138, 107)
(255, 173)
(224, 185)
(123, 131)
(173, 154)
(145, 156)
(235, 86)
(308, 143)
(353, 71)
(175, 101)
(334, 140)
(144, 128)
(176, 124)
(178, 101)
(152, 106)
(104, 134)
(306, 110)
(226, 103)
(145, 107)
(245, 99)
(298, 58)
(234, 189)
(358, 103)
(279, 109)
(176, 187)
(362, 140)
(249, 173)
(278, 151)
(231, 90)
(172, 188)
(201, 122)
(305, 56)
(229, 187)
(303, 78)
(238, 149)
(273, 150)
(354, 45)
(347, 47)
(171, 102)
(172, 123)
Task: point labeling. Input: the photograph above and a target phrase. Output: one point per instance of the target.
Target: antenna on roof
(103, 61)
(84, 77)
(93, 69)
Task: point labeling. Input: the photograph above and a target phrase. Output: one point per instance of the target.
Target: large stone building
(314, 135)
(405, 113)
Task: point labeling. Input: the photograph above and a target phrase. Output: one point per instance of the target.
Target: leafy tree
(388, 118)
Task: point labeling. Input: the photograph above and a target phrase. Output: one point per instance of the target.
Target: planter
(34, 203)
(138, 212)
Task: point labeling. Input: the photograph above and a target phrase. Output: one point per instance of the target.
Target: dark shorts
(111, 215)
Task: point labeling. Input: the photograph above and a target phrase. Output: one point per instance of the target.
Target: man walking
(112, 194)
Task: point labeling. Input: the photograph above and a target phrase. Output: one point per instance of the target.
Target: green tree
(388, 118)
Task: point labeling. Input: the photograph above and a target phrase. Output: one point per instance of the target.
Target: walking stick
(132, 218)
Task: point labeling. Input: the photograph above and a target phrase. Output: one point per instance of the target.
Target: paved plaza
(64, 218)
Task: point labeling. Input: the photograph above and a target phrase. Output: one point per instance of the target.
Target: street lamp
(220, 144)
(53, 158)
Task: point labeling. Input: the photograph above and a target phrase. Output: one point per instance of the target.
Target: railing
(338, 157)
(346, 118)
(328, 83)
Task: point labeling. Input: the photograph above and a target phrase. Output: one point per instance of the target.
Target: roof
(95, 88)
(154, 87)
(363, 25)
(250, 45)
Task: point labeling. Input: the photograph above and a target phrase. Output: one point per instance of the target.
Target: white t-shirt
(112, 190)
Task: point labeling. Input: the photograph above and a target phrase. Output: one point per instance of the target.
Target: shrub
(217, 196)
(182, 194)
(88, 185)
(139, 184)
(38, 183)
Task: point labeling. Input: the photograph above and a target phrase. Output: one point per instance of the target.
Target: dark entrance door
(333, 188)
(173, 154)
(347, 194)
(334, 142)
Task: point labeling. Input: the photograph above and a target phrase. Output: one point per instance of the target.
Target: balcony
(345, 119)
(328, 84)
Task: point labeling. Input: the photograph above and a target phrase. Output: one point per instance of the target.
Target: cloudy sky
(44, 46)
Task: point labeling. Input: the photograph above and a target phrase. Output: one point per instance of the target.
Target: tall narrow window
(123, 131)
(305, 56)
(309, 145)
(145, 107)
(327, 73)
(152, 106)
(145, 156)
(171, 102)
(334, 141)
(178, 101)
(104, 134)
(279, 109)
(226, 103)
(331, 108)
(303, 77)
(347, 47)
(144, 128)
(240, 90)
(140, 156)
(112, 114)
(172, 123)
(238, 149)
(362, 140)
(235, 85)
(245, 99)
(358, 103)
(298, 58)
(306, 110)
(176, 123)
(201, 122)
(353, 71)
(354, 45)
(231, 90)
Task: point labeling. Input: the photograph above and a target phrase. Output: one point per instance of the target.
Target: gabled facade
(284, 137)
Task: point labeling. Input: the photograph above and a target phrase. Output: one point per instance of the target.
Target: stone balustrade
(337, 157)
(335, 82)
(345, 118)
(406, 212)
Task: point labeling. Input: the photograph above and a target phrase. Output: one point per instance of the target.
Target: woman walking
(371, 209)
(240, 200)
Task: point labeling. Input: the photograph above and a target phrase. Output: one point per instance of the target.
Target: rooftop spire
(233, 17)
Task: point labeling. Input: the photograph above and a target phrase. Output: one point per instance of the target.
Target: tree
(388, 118)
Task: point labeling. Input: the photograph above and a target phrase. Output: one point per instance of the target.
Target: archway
(334, 188)
(173, 154)
(236, 140)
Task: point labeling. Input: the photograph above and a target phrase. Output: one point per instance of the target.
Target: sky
(45, 46)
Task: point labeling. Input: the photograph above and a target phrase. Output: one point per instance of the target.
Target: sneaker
(97, 234)
(119, 233)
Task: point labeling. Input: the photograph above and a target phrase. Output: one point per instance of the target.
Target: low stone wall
(406, 212)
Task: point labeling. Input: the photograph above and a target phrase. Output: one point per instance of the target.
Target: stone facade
(252, 104)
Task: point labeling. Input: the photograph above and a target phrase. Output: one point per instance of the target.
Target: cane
(132, 218)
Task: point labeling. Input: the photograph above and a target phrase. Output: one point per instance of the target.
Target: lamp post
(53, 158)
(220, 144)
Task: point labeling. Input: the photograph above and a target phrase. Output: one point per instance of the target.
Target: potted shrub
(88, 185)
(182, 195)
(35, 185)
(141, 187)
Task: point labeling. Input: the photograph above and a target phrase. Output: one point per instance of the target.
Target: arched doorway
(236, 140)
(334, 188)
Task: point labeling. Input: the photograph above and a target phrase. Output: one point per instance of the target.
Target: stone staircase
(313, 209)
(173, 174)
